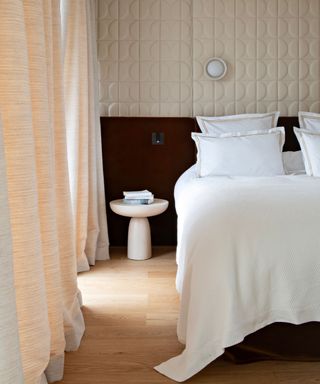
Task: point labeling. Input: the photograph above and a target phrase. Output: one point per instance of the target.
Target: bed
(248, 256)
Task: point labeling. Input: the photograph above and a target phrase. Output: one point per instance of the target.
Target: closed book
(138, 201)
(145, 194)
(139, 197)
(148, 197)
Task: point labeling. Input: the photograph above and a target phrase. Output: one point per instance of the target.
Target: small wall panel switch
(157, 138)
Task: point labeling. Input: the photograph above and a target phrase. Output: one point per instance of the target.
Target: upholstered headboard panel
(131, 162)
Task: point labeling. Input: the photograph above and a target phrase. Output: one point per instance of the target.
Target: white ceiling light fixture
(216, 68)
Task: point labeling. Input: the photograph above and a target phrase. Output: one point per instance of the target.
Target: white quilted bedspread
(248, 255)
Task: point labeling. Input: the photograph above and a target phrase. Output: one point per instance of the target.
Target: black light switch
(157, 138)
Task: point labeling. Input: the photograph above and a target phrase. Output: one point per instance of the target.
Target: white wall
(152, 55)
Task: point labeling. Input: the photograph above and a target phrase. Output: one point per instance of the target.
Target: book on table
(138, 197)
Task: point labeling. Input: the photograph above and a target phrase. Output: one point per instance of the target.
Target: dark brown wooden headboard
(131, 162)
(288, 122)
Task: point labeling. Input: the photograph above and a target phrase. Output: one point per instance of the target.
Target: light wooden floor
(131, 309)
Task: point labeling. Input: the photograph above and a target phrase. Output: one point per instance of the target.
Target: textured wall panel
(152, 55)
(145, 55)
(272, 51)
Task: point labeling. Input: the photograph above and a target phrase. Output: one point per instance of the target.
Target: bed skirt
(278, 341)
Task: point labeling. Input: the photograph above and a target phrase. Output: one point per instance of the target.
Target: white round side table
(139, 238)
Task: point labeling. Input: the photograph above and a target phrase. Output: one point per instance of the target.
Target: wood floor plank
(131, 311)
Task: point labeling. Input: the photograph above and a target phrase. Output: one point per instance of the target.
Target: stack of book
(138, 197)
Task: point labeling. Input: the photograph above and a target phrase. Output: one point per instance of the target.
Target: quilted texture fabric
(242, 261)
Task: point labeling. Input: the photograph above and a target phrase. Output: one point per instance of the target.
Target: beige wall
(152, 55)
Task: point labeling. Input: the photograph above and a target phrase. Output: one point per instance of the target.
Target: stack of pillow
(251, 145)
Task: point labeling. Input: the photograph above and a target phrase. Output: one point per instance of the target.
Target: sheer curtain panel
(83, 131)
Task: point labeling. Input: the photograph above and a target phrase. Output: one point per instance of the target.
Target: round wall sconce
(216, 68)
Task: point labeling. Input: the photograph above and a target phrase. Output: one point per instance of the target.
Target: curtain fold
(15, 104)
(83, 131)
(72, 316)
(40, 52)
(97, 245)
(10, 357)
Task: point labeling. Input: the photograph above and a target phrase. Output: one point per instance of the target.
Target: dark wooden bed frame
(132, 162)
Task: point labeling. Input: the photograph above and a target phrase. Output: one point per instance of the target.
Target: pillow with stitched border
(309, 121)
(310, 146)
(237, 123)
(254, 153)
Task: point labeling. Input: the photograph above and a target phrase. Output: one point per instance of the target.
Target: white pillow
(309, 121)
(310, 145)
(255, 153)
(238, 123)
(293, 162)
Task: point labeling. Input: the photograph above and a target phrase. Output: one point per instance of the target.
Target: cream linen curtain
(40, 311)
(10, 358)
(83, 131)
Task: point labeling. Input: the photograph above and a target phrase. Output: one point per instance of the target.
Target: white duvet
(248, 255)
